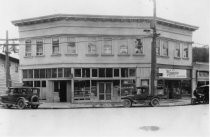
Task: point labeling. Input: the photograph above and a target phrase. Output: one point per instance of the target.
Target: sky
(192, 12)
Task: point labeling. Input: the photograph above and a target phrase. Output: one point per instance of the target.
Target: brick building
(90, 58)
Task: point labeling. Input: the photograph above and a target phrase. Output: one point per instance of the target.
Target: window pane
(185, 50)
(28, 48)
(123, 46)
(36, 83)
(85, 72)
(48, 73)
(92, 45)
(132, 72)
(71, 46)
(67, 72)
(39, 47)
(165, 47)
(30, 73)
(177, 49)
(109, 72)
(54, 73)
(42, 73)
(77, 72)
(94, 72)
(60, 72)
(107, 49)
(55, 45)
(138, 46)
(25, 73)
(43, 83)
(116, 72)
(124, 72)
(101, 72)
(28, 83)
(36, 73)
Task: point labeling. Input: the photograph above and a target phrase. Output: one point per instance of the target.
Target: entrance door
(105, 90)
(62, 92)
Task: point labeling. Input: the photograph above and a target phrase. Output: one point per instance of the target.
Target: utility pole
(7, 62)
(153, 51)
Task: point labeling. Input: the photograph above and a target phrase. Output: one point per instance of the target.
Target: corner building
(90, 58)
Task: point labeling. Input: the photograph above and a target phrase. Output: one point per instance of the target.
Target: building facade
(89, 58)
(14, 72)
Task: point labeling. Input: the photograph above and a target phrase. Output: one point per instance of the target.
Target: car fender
(131, 99)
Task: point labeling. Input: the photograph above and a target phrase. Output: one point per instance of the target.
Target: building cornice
(75, 17)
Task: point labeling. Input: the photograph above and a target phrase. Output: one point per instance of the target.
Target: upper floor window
(185, 51)
(138, 46)
(28, 48)
(177, 49)
(164, 45)
(71, 46)
(39, 47)
(158, 47)
(123, 46)
(107, 47)
(55, 45)
(92, 46)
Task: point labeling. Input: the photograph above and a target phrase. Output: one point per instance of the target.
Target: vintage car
(201, 95)
(21, 97)
(140, 95)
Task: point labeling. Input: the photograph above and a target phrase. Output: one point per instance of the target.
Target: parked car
(21, 97)
(201, 95)
(140, 95)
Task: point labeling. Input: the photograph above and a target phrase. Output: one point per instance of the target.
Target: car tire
(155, 102)
(127, 103)
(21, 104)
(34, 106)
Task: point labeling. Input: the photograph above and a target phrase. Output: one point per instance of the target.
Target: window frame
(162, 47)
(123, 43)
(103, 46)
(53, 52)
(42, 46)
(137, 45)
(183, 51)
(93, 40)
(177, 44)
(28, 53)
(69, 48)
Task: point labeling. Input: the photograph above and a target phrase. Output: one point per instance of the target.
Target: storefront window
(109, 72)
(186, 87)
(36, 83)
(67, 72)
(36, 73)
(101, 72)
(30, 73)
(28, 83)
(82, 89)
(94, 88)
(42, 73)
(132, 72)
(116, 88)
(49, 72)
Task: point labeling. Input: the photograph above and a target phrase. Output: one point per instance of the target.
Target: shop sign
(173, 73)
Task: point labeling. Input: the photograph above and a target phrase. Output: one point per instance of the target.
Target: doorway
(105, 91)
(173, 89)
(61, 88)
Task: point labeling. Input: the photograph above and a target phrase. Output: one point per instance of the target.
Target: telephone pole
(153, 51)
(7, 60)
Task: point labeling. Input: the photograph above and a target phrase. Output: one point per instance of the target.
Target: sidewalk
(163, 103)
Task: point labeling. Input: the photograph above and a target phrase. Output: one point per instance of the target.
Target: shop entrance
(105, 90)
(60, 87)
(173, 88)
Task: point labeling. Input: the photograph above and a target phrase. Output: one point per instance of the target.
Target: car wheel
(34, 106)
(8, 106)
(21, 104)
(155, 102)
(127, 103)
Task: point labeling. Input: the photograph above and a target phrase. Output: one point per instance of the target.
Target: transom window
(107, 48)
(71, 46)
(39, 47)
(28, 48)
(92, 46)
(55, 45)
(138, 46)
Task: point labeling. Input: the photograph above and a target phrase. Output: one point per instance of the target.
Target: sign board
(173, 73)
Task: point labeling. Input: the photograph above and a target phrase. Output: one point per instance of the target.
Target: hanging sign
(173, 73)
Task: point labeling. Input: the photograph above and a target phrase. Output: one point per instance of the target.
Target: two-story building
(91, 58)
(14, 72)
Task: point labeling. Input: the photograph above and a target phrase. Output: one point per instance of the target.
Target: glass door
(105, 91)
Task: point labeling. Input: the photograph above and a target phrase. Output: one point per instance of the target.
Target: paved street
(135, 121)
